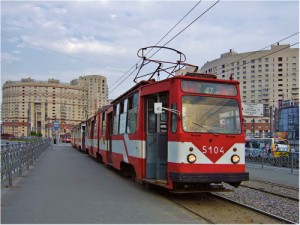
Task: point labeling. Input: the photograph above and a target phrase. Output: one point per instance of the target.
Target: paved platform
(69, 187)
(278, 175)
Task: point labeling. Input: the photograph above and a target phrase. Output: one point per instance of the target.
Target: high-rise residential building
(267, 77)
(97, 93)
(30, 105)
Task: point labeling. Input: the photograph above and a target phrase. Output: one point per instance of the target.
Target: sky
(67, 39)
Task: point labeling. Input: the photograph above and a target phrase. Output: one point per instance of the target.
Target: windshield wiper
(209, 131)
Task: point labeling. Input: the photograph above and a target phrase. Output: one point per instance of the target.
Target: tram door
(156, 138)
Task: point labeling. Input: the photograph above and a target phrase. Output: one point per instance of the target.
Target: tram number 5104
(212, 149)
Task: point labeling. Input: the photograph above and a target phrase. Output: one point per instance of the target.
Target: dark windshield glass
(210, 115)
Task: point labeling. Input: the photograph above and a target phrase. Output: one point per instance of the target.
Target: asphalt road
(66, 186)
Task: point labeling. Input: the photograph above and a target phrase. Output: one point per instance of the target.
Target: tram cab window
(210, 115)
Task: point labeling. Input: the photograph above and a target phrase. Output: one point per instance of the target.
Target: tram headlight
(191, 158)
(235, 159)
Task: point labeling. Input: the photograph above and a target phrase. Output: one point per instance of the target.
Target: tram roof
(193, 76)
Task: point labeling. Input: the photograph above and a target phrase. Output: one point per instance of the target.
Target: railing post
(27, 154)
(20, 152)
(292, 157)
(262, 160)
(31, 152)
(9, 165)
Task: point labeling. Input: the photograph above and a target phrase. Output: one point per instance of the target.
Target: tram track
(274, 199)
(270, 192)
(254, 202)
(280, 219)
(278, 185)
(219, 210)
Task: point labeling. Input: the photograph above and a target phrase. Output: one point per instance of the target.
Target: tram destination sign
(253, 109)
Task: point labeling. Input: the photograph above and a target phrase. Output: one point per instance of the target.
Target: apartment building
(267, 76)
(97, 93)
(30, 105)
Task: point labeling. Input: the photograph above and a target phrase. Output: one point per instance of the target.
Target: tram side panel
(125, 145)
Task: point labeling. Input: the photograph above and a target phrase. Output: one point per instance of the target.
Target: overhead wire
(170, 40)
(252, 53)
(136, 64)
(259, 57)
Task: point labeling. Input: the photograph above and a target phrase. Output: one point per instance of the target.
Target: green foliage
(35, 134)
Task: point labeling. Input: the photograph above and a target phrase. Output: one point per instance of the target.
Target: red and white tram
(183, 133)
(78, 136)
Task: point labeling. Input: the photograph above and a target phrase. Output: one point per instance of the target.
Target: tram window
(132, 114)
(123, 114)
(103, 123)
(95, 125)
(164, 115)
(151, 116)
(122, 124)
(174, 119)
(210, 115)
(116, 119)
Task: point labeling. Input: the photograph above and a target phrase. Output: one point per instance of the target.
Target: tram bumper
(233, 179)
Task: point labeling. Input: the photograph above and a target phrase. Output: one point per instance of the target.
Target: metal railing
(291, 160)
(16, 157)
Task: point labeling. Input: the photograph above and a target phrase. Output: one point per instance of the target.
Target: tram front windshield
(210, 115)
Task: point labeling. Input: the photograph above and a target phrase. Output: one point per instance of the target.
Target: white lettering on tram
(212, 149)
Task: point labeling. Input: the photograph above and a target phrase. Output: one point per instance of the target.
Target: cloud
(109, 33)
(9, 58)
(73, 45)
